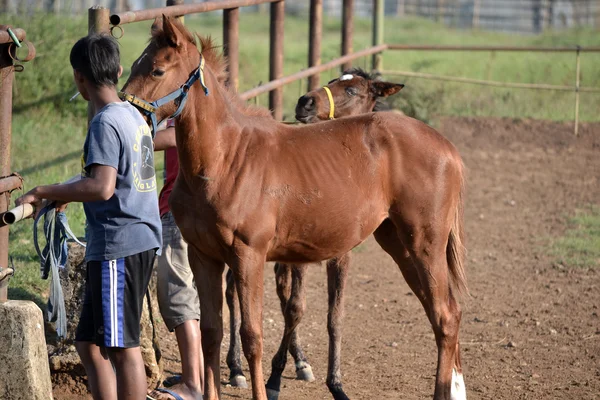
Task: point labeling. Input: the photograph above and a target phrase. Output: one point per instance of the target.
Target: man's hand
(32, 198)
(61, 206)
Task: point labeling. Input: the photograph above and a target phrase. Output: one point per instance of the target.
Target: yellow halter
(331, 103)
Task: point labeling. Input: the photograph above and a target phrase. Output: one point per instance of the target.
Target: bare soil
(530, 329)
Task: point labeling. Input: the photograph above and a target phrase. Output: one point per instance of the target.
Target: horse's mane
(217, 62)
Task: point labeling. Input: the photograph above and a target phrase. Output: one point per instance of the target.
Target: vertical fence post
(347, 29)
(6, 84)
(231, 33)
(176, 3)
(98, 22)
(476, 6)
(378, 14)
(314, 37)
(276, 57)
(577, 79)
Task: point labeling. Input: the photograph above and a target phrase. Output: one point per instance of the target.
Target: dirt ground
(530, 329)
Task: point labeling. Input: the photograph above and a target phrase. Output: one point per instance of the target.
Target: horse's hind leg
(234, 358)
(283, 280)
(337, 272)
(426, 272)
(293, 311)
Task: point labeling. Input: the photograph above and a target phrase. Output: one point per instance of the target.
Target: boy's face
(80, 83)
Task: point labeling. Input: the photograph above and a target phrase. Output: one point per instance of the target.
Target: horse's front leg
(234, 360)
(293, 310)
(337, 272)
(247, 265)
(208, 275)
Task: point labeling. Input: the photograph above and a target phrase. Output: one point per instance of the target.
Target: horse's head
(168, 61)
(355, 92)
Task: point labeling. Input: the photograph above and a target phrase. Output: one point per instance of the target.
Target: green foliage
(580, 245)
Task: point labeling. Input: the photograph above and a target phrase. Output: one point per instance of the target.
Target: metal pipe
(577, 79)
(276, 57)
(6, 77)
(171, 3)
(378, 15)
(314, 37)
(492, 48)
(10, 182)
(310, 71)
(17, 214)
(347, 29)
(152, 13)
(231, 32)
(5, 37)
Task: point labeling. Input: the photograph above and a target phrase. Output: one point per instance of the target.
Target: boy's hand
(61, 206)
(32, 198)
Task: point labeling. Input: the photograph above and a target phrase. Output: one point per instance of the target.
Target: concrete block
(24, 370)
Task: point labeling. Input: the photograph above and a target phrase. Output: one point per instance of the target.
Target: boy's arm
(99, 186)
(165, 139)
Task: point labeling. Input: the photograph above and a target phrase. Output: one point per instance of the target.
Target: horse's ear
(171, 33)
(157, 25)
(385, 89)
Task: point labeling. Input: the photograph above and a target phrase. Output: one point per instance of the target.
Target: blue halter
(179, 96)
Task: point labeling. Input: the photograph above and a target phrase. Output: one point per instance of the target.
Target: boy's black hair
(97, 57)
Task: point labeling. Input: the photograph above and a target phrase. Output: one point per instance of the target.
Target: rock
(511, 344)
(24, 370)
(63, 356)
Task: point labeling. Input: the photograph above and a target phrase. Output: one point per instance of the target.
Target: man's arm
(165, 139)
(99, 186)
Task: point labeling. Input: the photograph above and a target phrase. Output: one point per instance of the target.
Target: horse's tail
(455, 249)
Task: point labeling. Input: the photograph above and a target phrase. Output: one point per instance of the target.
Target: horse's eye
(158, 72)
(351, 91)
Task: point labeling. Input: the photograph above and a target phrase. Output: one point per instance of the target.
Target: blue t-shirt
(129, 222)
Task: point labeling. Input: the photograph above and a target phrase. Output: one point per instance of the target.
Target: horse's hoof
(239, 381)
(272, 394)
(304, 372)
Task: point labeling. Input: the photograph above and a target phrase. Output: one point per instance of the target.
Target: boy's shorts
(176, 292)
(114, 296)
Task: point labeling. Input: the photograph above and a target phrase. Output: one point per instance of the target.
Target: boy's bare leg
(101, 377)
(130, 372)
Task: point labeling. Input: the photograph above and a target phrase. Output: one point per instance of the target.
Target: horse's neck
(202, 131)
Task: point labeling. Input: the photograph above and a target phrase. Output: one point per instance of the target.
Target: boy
(118, 191)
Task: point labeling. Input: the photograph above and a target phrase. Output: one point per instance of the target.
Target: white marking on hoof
(272, 394)
(304, 372)
(458, 390)
(347, 77)
(239, 381)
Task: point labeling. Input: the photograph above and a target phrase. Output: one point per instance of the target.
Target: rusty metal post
(6, 84)
(577, 91)
(98, 22)
(276, 57)
(347, 29)
(176, 3)
(314, 40)
(231, 33)
(378, 15)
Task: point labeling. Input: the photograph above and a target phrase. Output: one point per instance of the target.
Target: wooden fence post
(378, 15)
(577, 79)
(347, 29)
(231, 32)
(314, 38)
(98, 22)
(276, 57)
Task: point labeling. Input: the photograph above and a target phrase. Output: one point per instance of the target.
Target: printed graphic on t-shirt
(143, 169)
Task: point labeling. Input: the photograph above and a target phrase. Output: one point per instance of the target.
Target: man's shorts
(114, 296)
(176, 292)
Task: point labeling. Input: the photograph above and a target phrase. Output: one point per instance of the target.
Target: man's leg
(180, 309)
(99, 370)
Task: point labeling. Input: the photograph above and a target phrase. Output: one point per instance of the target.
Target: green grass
(48, 131)
(580, 245)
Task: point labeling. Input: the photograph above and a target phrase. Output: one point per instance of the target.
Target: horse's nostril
(309, 103)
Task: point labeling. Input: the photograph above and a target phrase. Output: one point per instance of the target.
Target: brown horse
(252, 190)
